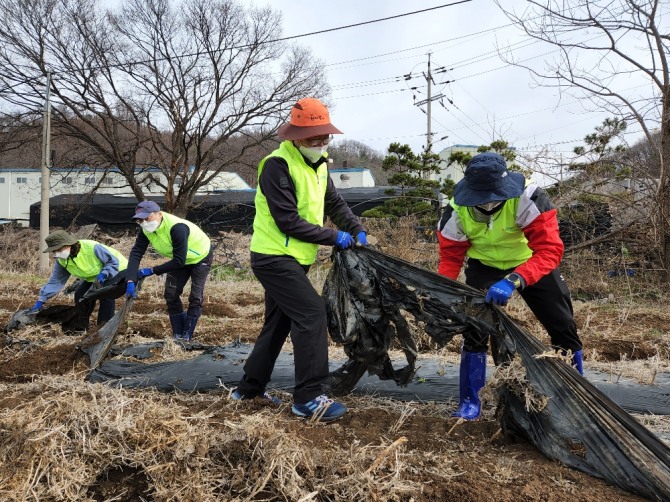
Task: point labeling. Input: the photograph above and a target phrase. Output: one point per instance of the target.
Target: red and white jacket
(535, 217)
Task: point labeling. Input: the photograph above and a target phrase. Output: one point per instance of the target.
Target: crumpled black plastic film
(72, 318)
(367, 293)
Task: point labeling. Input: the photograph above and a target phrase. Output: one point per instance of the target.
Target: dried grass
(19, 250)
(513, 377)
(63, 434)
(506, 470)
(404, 240)
(643, 371)
(59, 442)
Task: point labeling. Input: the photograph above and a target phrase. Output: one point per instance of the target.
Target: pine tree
(414, 193)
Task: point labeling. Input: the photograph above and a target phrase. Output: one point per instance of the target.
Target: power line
(372, 21)
(281, 39)
(459, 64)
(431, 44)
(409, 76)
(421, 46)
(380, 92)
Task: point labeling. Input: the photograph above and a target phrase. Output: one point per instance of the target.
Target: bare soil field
(62, 438)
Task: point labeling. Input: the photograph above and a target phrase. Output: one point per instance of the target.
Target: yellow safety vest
(198, 242)
(86, 265)
(499, 243)
(310, 187)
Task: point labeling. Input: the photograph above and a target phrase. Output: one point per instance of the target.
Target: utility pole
(429, 104)
(46, 164)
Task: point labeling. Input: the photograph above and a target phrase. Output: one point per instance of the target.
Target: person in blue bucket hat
(507, 228)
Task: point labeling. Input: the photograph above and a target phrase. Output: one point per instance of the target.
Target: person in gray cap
(85, 259)
(190, 257)
(508, 229)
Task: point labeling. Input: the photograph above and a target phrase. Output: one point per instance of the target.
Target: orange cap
(309, 118)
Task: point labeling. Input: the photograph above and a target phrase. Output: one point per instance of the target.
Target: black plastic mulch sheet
(365, 293)
(113, 289)
(72, 318)
(217, 365)
(570, 420)
(98, 346)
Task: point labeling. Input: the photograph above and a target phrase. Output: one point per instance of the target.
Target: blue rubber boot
(577, 362)
(472, 379)
(178, 323)
(189, 327)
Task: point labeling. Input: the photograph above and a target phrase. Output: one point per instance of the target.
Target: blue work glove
(500, 292)
(144, 272)
(37, 306)
(344, 240)
(130, 290)
(361, 239)
(101, 278)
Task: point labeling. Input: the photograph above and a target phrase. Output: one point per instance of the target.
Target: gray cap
(57, 239)
(145, 208)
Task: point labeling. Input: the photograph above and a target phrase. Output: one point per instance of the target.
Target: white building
(19, 188)
(455, 171)
(355, 177)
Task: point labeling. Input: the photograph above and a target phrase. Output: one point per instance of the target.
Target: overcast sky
(374, 104)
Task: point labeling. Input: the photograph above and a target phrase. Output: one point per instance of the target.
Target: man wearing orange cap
(294, 195)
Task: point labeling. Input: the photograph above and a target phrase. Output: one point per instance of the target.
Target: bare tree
(351, 153)
(614, 55)
(157, 84)
(71, 39)
(209, 71)
(18, 132)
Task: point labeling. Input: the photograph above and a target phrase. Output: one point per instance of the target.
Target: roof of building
(349, 170)
(87, 169)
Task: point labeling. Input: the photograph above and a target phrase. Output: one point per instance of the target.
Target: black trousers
(292, 305)
(549, 299)
(175, 281)
(105, 312)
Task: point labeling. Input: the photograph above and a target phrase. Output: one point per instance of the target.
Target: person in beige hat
(294, 195)
(85, 259)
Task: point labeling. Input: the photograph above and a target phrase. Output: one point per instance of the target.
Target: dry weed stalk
(60, 442)
(407, 411)
(513, 376)
(403, 240)
(385, 453)
(507, 470)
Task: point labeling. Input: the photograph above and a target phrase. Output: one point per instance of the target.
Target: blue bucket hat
(486, 180)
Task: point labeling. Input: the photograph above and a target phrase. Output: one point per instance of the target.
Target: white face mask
(149, 226)
(490, 206)
(313, 153)
(63, 254)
